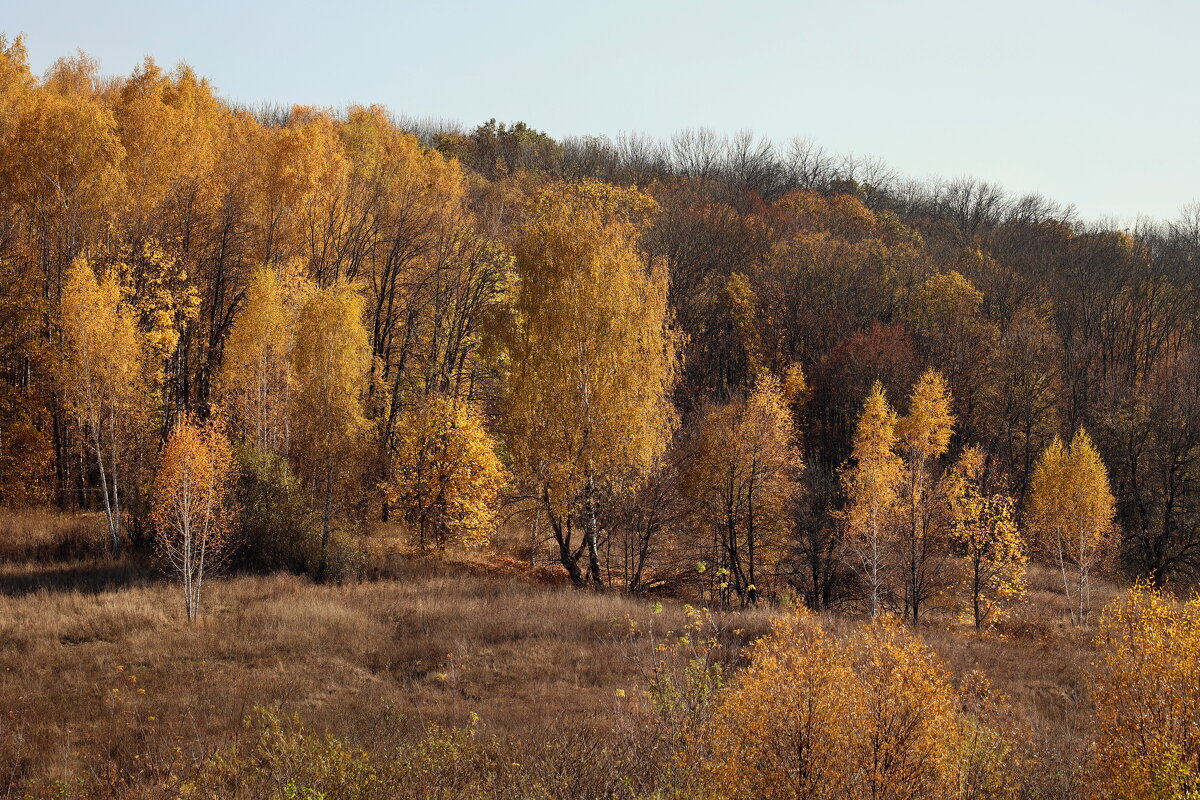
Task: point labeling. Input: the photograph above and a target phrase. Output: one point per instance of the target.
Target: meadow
(107, 691)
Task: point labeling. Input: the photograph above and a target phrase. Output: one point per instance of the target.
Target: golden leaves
(330, 362)
(593, 356)
(101, 373)
(872, 482)
(1071, 509)
(925, 430)
(744, 482)
(983, 528)
(787, 726)
(192, 507)
(254, 386)
(1146, 690)
(815, 717)
(447, 476)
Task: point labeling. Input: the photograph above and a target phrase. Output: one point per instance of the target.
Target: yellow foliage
(255, 385)
(65, 165)
(159, 290)
(1146, 690)
(872, 482)
(813, 717)
(796, 388)
(192, 507)
(908, 730)
(101, 376)
(787, 726)
(1071, 509)
(593, 358)
(743, 305)
(304, 176)
(744, 484)
(984, 530)
(169, 127)
(330, 359)
(943, 298)
(330, 362)
(924, 436)
(447, 476)
(925, 431)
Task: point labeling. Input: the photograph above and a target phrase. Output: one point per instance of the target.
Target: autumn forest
(347, 455)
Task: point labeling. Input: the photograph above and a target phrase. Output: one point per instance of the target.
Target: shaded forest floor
(103, 681)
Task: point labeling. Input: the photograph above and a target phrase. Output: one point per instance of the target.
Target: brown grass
(99, 670)
(101, 675)
(46, 536)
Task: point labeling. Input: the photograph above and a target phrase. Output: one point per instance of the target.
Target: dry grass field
(105, 690)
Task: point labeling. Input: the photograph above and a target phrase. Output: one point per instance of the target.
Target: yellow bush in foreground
(1146, 690)
(816, 717)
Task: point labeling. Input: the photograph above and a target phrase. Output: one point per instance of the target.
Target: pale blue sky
(1092, 103)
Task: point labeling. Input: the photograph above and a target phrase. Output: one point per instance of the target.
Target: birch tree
(872, 482)
(192, 507)
(593, 359)
(1071, 508)
(255, 385)
(984, 531)
(101, 378)
(744, 482)
(330, 362)
(923, 437)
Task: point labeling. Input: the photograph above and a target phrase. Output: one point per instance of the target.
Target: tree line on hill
(707, 365)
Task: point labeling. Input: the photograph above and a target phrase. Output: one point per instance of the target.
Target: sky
(1090, 103)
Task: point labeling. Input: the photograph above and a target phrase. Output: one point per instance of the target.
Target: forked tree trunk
(561, 527)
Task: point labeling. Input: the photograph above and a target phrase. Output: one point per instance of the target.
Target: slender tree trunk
(1084, 587)
(976, 592)
(326, 522)
(533, 537)
(591, 533)
(110, 513)
(1062, 565)
(751, 579)
(873, 565)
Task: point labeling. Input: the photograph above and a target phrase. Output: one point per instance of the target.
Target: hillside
(343, 456)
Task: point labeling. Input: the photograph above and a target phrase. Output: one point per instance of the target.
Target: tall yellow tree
(447, 477)
(1146, 690)
(330, 363)
(254, 386)
(924, 436)
(301, 185)
(1071, 509)
(168, 125)
(593, 358)
(67, 159)
(985, 532)
(946, 314)
(872, 482)
(164, 302)
(101, 377)
(192, 506)
(744, 482)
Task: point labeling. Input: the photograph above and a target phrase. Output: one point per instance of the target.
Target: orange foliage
(192, 508)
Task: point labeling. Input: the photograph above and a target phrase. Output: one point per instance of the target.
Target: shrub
(278, 528)
(786, 726)
(811, 717)
(1146, 690)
